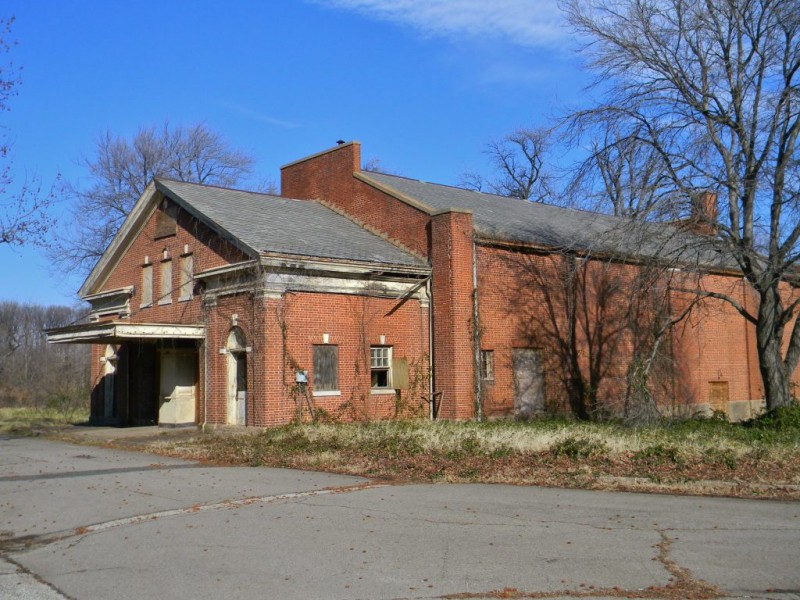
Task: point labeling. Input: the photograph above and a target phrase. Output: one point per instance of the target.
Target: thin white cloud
(257, 116)
(524, 22)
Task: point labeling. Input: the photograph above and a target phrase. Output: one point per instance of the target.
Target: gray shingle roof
(267, 223)
(502, 219)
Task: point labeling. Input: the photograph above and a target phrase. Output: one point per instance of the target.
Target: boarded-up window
(147, 285)
(166, 219)
(487, 365)
(187, 277)
(380, 363)
(165, 296)
(718, 395)
(326, 368)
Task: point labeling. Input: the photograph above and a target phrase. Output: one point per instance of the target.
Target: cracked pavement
(85, 522)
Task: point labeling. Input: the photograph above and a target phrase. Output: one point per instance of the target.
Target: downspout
(205, 382)
(127, 420)
(428, 287)
(204, 309)
(476, 334)
(747, 349)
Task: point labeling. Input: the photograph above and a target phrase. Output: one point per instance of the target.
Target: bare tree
(121, 169)
(33, 372)
(24, 209)
(519, 160)
(375, 165)
(714, 87)
(622, 175)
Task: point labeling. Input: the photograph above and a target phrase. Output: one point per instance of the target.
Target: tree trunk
(770, 358)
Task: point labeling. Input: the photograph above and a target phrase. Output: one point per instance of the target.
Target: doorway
(109, 382)
(178, 387)
(237, 378)
(528, 382)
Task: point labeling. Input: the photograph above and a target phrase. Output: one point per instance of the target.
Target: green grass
(35, 421)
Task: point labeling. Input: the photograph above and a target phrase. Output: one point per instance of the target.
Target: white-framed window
(380, 366)
(487, 365)
(165, 296)
(187, 277)
(147, 286)
(326, 369)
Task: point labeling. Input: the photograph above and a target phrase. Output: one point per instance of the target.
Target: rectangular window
(380, 364)
(147, 286)
(326, 368)
(487, 365)
(187, 277)
(165, 297)
(166, 219)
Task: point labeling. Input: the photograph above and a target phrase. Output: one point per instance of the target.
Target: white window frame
(380, 360)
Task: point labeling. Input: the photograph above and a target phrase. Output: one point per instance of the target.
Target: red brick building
(213, 306)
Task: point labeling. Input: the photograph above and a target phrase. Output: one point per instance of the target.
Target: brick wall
(282, 333)
(329, 177)
(208, 251)
(714, 344)
(451, 290)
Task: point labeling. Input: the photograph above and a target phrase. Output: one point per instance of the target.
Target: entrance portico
(148, 374)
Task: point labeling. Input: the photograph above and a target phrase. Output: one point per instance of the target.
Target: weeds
(660, 453)
(576, 448)
(674, 456)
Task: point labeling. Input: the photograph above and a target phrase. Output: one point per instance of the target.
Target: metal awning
(114, 331)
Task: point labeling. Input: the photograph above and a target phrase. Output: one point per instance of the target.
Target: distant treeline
(33, 372)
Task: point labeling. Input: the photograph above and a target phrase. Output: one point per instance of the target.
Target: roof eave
(205, 219)
(333, 264)
(120, 243)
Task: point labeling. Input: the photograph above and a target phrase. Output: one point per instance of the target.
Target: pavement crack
(30, 542)
(24, 570)
(682, 584)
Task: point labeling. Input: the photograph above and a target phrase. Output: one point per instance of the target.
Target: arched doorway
(237, 377)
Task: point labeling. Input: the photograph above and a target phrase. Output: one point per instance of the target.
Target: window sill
(185, 298)
(379, 391)
(326, 393)
(148, 305)
(163, 302)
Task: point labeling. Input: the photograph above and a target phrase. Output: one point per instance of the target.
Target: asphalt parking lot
(90, 523)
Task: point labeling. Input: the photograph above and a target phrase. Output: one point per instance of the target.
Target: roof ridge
(395, 242)
(166, 180)
(501, 197)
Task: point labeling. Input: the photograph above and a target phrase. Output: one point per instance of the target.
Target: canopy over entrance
(116, 331)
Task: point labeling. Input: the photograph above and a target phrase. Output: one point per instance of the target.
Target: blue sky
(422, 84)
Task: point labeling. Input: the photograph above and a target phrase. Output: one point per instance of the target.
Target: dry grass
(760, 459)
(707, 458)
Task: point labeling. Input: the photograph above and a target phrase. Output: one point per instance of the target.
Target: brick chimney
(703, 217)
